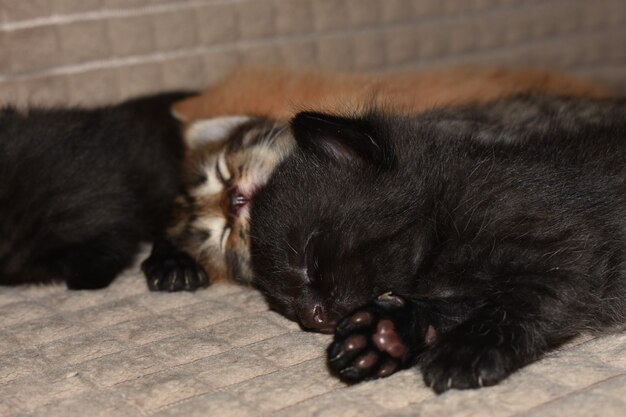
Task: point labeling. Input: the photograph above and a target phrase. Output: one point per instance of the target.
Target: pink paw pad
(386, 339)
(362, 318)
(354, 343)
(387, 368)
(367, 360)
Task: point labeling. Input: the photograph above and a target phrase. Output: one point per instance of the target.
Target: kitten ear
(213, 130)
(341, 139)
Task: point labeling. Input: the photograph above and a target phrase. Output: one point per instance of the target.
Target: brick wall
(96, 51)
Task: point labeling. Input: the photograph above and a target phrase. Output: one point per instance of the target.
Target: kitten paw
(463, 361)
(377, 340)
(174, 271)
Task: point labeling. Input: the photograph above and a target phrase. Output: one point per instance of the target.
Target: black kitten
(79, 189)
(500, 229)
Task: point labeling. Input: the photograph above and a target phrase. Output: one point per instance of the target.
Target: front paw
(173, 271)
(468, 359)
(378, 340)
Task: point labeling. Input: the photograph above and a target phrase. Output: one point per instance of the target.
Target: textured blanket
(124, 351)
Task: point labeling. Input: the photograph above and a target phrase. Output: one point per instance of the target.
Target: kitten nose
(312, 317)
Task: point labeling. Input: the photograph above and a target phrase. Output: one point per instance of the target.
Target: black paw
(94, 263)
(468, 357)
(173, 271)
(378, 340)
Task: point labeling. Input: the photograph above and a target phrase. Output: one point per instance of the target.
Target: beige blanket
(125, 351)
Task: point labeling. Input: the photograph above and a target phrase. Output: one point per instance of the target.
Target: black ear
(341, 139)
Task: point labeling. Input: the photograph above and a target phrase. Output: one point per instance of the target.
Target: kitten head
(230, 158)
(334, 225)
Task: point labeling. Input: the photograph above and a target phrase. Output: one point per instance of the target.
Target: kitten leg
(95, 264)
(170, 269)
(389, 333)
(500, 337)
(485, 349)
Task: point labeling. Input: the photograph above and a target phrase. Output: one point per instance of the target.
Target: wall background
(99, 51)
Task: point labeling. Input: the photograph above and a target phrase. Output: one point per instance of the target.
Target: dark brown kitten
(81, 188)
(500, 231)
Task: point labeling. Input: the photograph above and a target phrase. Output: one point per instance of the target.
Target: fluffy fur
(211, 224)
(81, 188)
(500, 231)
(279, 94)
(209, 237)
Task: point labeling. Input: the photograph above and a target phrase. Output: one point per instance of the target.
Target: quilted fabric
(124, 351)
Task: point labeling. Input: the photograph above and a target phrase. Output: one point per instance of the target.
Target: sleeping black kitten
(80, 189)
(494, 233)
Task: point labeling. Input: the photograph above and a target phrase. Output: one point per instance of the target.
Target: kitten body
(280, 94)
(81, 188)
(232, 157)
(499, 229)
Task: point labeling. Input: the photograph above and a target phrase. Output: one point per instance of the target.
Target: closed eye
(222, 172)
(225, 235)
(310, 257)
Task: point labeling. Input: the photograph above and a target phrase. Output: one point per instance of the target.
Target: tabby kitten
(228, 160)
(493, 232)
(232, 157)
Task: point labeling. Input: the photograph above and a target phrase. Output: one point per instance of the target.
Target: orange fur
(279, 94)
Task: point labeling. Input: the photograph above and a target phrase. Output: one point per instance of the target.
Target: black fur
(81, 188)
(170, 269)
(500, 227)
